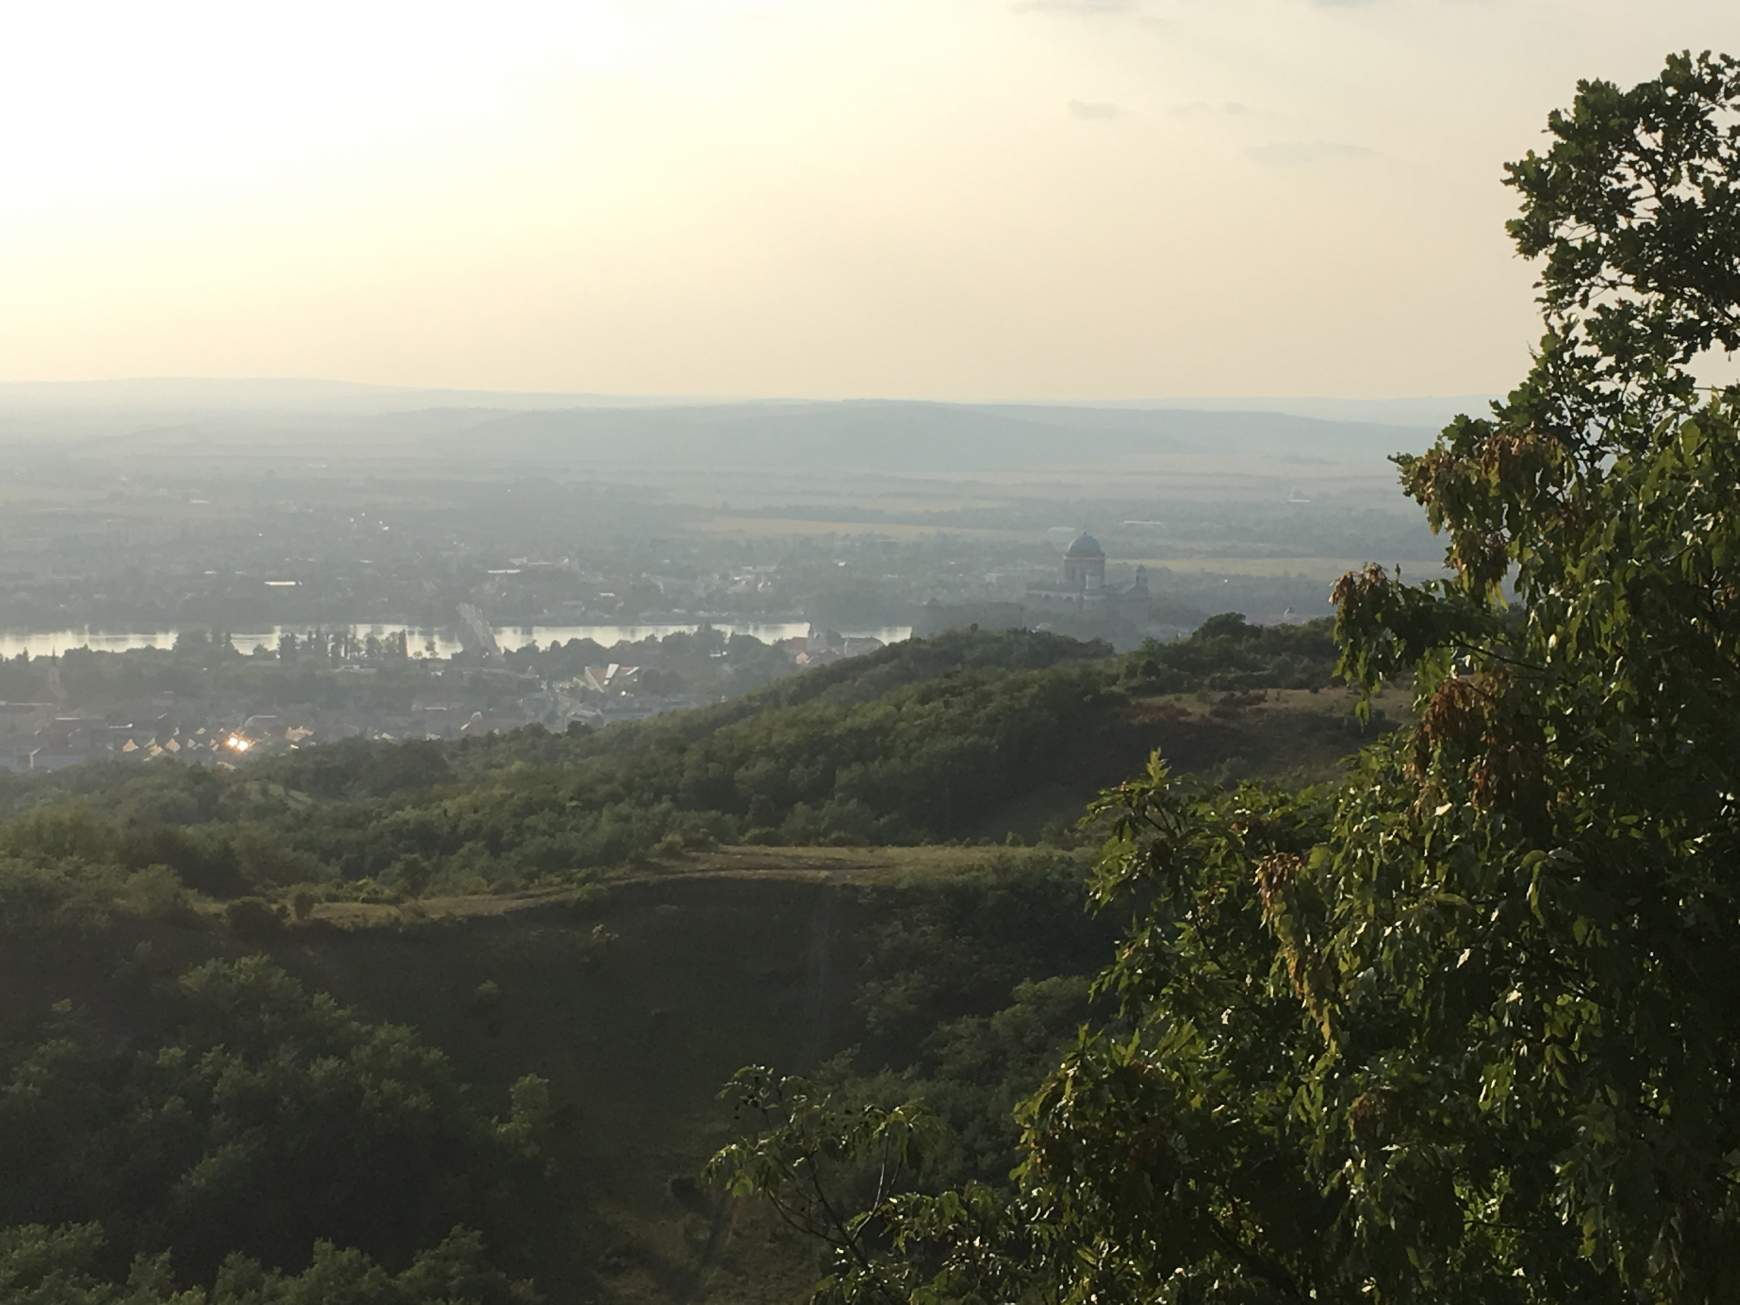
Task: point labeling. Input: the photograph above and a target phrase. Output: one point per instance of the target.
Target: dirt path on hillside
(790, 864)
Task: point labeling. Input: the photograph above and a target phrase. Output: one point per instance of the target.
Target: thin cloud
(1094, 110)
(1075, 8)
(1210, 108)
(1307, 153)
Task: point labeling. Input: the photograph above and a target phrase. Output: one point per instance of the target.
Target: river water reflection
(438, 643)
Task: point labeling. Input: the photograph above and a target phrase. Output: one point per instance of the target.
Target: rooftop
(1085, 545)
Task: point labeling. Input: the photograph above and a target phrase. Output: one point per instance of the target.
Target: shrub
(589, 898)
(486, 997)
(154, 893)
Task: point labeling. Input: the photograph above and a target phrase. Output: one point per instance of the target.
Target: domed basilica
(1078, 602)
(1081, 594)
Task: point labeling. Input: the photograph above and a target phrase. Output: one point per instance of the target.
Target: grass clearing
(804, 865)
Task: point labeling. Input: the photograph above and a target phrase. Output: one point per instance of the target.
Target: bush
(486, 997)
(154, 893)
(589, 898)
(411, 874)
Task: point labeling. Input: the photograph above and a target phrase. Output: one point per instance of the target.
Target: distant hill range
(337, 418)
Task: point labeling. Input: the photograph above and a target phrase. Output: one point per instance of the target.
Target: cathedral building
(1081, 594)
(1078, 602)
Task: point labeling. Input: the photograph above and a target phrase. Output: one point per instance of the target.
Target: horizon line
(689, 398)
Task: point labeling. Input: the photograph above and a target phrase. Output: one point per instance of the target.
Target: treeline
(1226, 652)
(929, 740)
(67, 1265)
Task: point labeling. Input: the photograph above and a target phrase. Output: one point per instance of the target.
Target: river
(46, 643)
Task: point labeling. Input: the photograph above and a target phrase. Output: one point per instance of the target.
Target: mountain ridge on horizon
(202, 392)
(289, 416)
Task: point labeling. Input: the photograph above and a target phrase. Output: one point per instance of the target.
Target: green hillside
(634, 1005)
(967, 736)
(568, 940)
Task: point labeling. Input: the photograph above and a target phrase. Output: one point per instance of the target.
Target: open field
(1324, 568)
(797, 527)
(759, 527)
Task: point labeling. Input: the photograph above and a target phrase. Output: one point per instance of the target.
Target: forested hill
(420, 1043)
(966, 736)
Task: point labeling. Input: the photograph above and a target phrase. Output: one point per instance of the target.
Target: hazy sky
(928, 198)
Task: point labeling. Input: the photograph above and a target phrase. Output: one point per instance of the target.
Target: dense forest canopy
(243, 1122)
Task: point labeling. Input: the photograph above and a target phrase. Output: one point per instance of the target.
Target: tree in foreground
(1465, 1028)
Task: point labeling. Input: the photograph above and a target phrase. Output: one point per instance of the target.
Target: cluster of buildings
(823, 647)
(37, 736)
(453, 703)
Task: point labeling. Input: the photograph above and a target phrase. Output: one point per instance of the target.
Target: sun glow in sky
(927, 198)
